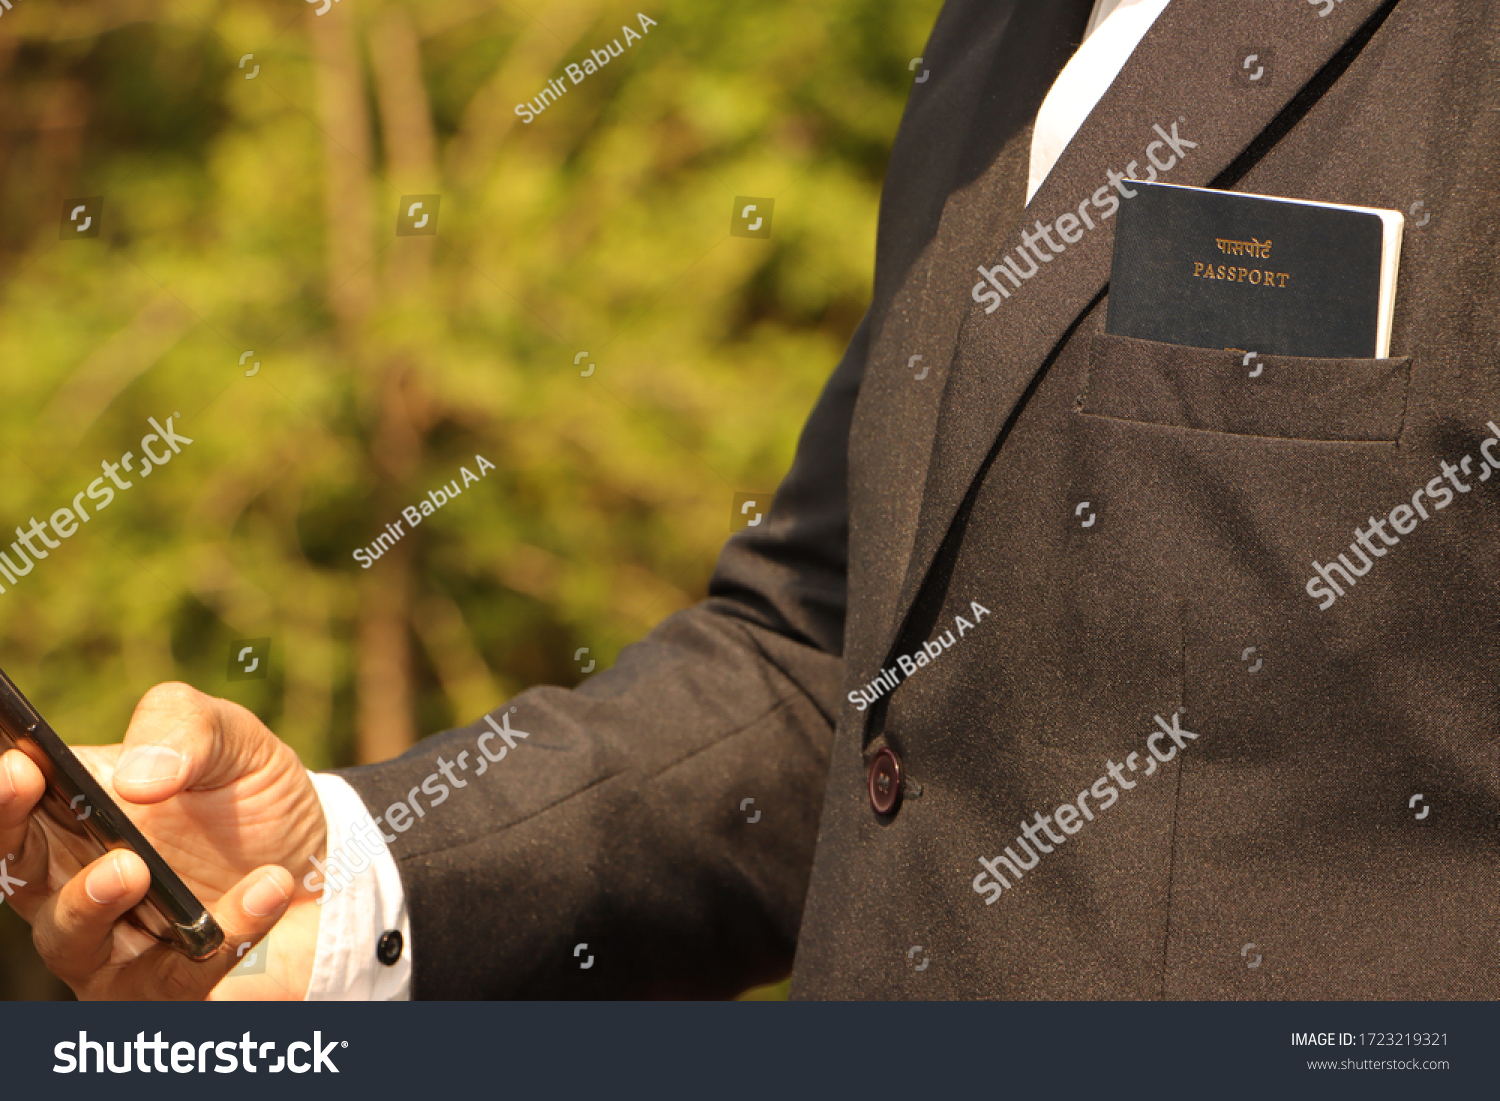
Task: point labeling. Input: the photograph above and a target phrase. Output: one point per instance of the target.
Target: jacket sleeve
(616, 821)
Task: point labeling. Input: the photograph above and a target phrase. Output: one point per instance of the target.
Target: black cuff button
(388, 951)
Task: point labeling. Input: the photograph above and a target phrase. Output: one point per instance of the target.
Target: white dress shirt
(374, 903)
(354, 919)
(1114, 32)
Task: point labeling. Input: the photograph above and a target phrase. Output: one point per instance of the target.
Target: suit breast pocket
(1217, 480)
(1245, 394)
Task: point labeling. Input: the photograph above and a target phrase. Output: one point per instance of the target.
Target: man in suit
(1059, 565)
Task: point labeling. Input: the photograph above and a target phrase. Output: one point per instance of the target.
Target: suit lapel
(1179, 87)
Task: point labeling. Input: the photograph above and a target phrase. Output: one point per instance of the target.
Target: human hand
(227, 804)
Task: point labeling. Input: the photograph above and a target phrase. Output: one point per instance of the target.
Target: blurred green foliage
(255, 210)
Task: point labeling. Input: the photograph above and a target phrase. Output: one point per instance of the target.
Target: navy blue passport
(1222, 269)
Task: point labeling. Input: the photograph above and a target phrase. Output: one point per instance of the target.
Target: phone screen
(82, 822)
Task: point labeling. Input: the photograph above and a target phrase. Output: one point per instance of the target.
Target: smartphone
(82, 822)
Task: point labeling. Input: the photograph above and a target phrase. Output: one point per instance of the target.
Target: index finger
(74, 932)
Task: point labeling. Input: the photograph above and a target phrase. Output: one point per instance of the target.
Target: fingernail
(105, 884)
(7, 782)
(265, 897)
(149, 764)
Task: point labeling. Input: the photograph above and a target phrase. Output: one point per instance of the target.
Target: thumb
(181, 738)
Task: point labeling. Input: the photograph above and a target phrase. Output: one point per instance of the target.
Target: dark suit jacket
(1288, 824)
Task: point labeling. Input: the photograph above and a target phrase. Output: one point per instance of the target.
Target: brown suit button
(885, 782)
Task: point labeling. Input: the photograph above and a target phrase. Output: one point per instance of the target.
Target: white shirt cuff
(363, 900)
